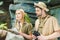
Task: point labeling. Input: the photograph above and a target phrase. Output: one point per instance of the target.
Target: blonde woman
(21, 26)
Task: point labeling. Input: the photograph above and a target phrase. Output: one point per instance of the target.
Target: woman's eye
(17, 13)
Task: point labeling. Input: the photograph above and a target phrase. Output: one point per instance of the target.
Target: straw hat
(42, 5)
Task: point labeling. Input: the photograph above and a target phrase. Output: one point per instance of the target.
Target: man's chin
(38, 15)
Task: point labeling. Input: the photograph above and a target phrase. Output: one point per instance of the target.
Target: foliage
(3, 26)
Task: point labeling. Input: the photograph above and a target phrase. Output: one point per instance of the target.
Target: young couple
(46, 25)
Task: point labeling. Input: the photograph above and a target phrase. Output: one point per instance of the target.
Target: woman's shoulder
(28, 24)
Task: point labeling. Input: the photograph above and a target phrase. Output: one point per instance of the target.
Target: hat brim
(46, 9)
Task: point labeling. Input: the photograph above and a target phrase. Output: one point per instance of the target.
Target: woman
(21, 26)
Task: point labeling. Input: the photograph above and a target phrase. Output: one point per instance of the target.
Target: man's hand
(34, 37)
(41, 37)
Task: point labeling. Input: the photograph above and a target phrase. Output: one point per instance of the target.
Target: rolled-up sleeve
(56, 25)
(30, 27)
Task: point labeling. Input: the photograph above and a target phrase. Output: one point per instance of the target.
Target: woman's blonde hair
(21, 10)
(23, 13)
(25, 16)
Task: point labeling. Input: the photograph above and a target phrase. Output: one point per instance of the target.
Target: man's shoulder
(37, 20)
(52, 18)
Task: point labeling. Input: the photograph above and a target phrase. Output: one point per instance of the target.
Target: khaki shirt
(26, 28)
(50, 26)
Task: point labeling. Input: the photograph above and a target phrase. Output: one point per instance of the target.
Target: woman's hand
(42, 37)
(3, 33)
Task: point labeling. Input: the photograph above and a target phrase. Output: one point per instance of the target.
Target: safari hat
(41, 5)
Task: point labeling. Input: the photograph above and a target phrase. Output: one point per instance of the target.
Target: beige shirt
(50, 26)
(26, 28)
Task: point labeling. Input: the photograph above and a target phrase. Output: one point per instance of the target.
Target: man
(46, 24)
